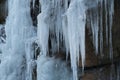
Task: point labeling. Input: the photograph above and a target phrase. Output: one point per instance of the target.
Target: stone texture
(108, 72)
(3, 11)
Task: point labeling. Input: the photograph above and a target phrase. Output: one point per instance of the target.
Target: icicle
(58, 23)
(106, 17)
(43, 26)
(76, 28)
(43, 33)
(101, 27)
(74, 33)
(65, 33)
(111, 12)
(94, 20)
(51, 21)
(33, 2)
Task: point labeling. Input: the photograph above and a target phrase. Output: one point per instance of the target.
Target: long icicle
(76, 33)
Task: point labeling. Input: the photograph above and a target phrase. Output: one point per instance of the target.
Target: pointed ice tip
(82, 68)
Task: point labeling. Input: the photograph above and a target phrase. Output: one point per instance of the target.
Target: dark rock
(35, 10)
(3, 11)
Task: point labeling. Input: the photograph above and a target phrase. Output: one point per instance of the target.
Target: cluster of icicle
(56, 17)
(68, 18)
(18, 29)
(101, 16)
(60, 21)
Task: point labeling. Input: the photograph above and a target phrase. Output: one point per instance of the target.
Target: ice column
(18, 28)
(74, 33)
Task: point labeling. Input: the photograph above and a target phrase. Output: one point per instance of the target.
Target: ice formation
(76, 33)
(73, 26)
(50, 19)
(96, 21)
(18, 28)
(2, 34)
(47, 67)
(50, 24)
(61, 24)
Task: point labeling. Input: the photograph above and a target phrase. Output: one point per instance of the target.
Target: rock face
(2, 34)
(35, 10)
(91, 58)
(116, 28)
(99, 66)
(3, 11)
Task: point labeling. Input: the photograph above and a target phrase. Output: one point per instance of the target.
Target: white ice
(52, 69)
(18, 28)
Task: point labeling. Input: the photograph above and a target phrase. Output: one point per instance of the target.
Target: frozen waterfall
(28, 54)
(18, 28)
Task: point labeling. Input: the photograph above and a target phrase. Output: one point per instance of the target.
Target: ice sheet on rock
(30, 61)
(50, 23)
(12, 68)
(97, 25)
(94, 17)
(52, 69)
(18, 28)
(91, 3)
(60, 22)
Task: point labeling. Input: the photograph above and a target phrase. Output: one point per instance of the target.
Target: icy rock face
(47, 67)
(2, 34)
(72, 15)
(101, 23)
(30, 58)
(61, 25)
(18, 28)
(2, 39)
(3, 11)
